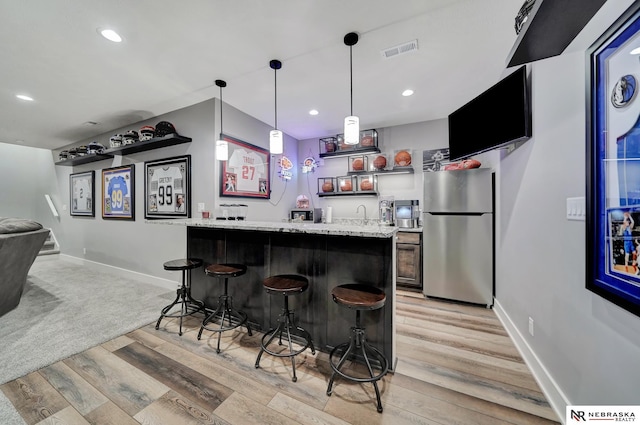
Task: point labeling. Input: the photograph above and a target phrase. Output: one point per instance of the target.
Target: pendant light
(276, 144)
(222, 147)
(351, 123)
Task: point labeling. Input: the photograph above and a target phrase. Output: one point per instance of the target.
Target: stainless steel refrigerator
(458, 235)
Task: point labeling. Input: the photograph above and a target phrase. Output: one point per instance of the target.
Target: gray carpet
(65, 309)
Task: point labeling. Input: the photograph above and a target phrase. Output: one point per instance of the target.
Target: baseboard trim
(552, 391)
(153, 280)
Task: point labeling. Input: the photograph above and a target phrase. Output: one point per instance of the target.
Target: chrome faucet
(365, 211)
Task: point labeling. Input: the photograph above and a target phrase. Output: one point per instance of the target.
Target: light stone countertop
(356, 230)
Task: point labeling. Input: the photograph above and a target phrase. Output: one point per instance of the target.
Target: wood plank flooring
(456, 365)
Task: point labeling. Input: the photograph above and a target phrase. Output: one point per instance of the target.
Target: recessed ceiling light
(24, 97)
(110, 35)
(635, 51)
(407, 92)
(313, 112)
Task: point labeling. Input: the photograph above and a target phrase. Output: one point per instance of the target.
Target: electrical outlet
(64, 207)
(84, 250)
(200, 206)
(531, 326)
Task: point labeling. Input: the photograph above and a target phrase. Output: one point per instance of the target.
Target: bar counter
(327, 254)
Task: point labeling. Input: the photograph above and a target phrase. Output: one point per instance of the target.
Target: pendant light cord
(221, 131)
(351, 74)
(275, 106)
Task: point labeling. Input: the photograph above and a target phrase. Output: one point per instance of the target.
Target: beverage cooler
(458, 262)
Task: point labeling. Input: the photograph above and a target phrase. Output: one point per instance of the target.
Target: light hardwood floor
(456, 365)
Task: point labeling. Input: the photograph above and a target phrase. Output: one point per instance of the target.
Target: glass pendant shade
(222, 150)
(352, 130)
(276, 144)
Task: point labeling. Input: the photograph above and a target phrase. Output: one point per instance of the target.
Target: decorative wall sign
(285, 168)
(118, 197)
(82, 193)
(167, 188)
(435, 160)
(246, 173)
(613, 165)
(309, 165)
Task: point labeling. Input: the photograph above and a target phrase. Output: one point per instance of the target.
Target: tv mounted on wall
(498, 117)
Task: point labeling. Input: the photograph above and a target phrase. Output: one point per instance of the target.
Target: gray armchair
(20, 242)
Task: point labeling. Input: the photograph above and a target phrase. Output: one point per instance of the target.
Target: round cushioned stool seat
(226, 270)
(286, 284)
(183, 264)
(358, 296)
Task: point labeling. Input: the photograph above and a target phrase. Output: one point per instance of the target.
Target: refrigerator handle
(457, 213)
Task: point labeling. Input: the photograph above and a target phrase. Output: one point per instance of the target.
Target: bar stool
(286, 285)
(359, 297)
(225, 309)
(183, 294)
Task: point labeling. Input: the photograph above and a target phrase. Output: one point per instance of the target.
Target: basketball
(346, 186)
(403, 159)
(327, 187)
(366, 185)
(330, 146)
(366, 141)
(380, 162)
(357, 164)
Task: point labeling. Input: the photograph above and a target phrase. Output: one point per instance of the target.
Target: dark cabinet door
(409, 261)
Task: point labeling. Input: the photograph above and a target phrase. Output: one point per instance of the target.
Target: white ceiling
(173, 51)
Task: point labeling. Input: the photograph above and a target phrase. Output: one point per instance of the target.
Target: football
(327, 187)
(366, 185)
(357, 164)
(366, 141)
(380, 162)
(452, 166)
(346, 186)
(469, 163)
(403, 159)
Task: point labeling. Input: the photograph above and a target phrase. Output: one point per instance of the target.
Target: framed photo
(246, 173)
(82, 193)
(613, 164)
(118, 192)
(167, 188)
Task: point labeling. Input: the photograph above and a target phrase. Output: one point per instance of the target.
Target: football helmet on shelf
(95, 147)
(63, 155)
(164, 128)
(130, 137)
(147, 132)
(81, 150)
(115, 141)
(73, 152)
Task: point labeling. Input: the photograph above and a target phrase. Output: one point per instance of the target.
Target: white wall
(26, 173)
(588, 346)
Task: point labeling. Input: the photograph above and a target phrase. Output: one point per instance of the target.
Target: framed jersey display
(246, 173)
(118, 197)
(613, 163)
(81, 193)
(167, 188)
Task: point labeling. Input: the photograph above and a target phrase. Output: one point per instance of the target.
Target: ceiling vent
(400, 49)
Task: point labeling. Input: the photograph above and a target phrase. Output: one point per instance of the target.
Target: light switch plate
(576, 208)
(200, 206)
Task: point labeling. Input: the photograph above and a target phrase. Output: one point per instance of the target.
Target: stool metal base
(225, 311)
(358, 345)
(293, 332)
(188, 306)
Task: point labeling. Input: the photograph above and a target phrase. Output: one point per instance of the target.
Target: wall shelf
(362, 193)
(84, 159)
(355, 151)
(155, 143)
(395, 170)
(550, 28)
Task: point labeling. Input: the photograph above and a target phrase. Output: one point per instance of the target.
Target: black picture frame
(118, 193)
(167, 188)
(613, 164)
(82, 194)
(246, 174)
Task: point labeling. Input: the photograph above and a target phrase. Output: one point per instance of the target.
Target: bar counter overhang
(328, 254)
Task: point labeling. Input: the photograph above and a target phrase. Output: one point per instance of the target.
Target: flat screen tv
(498, 117)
